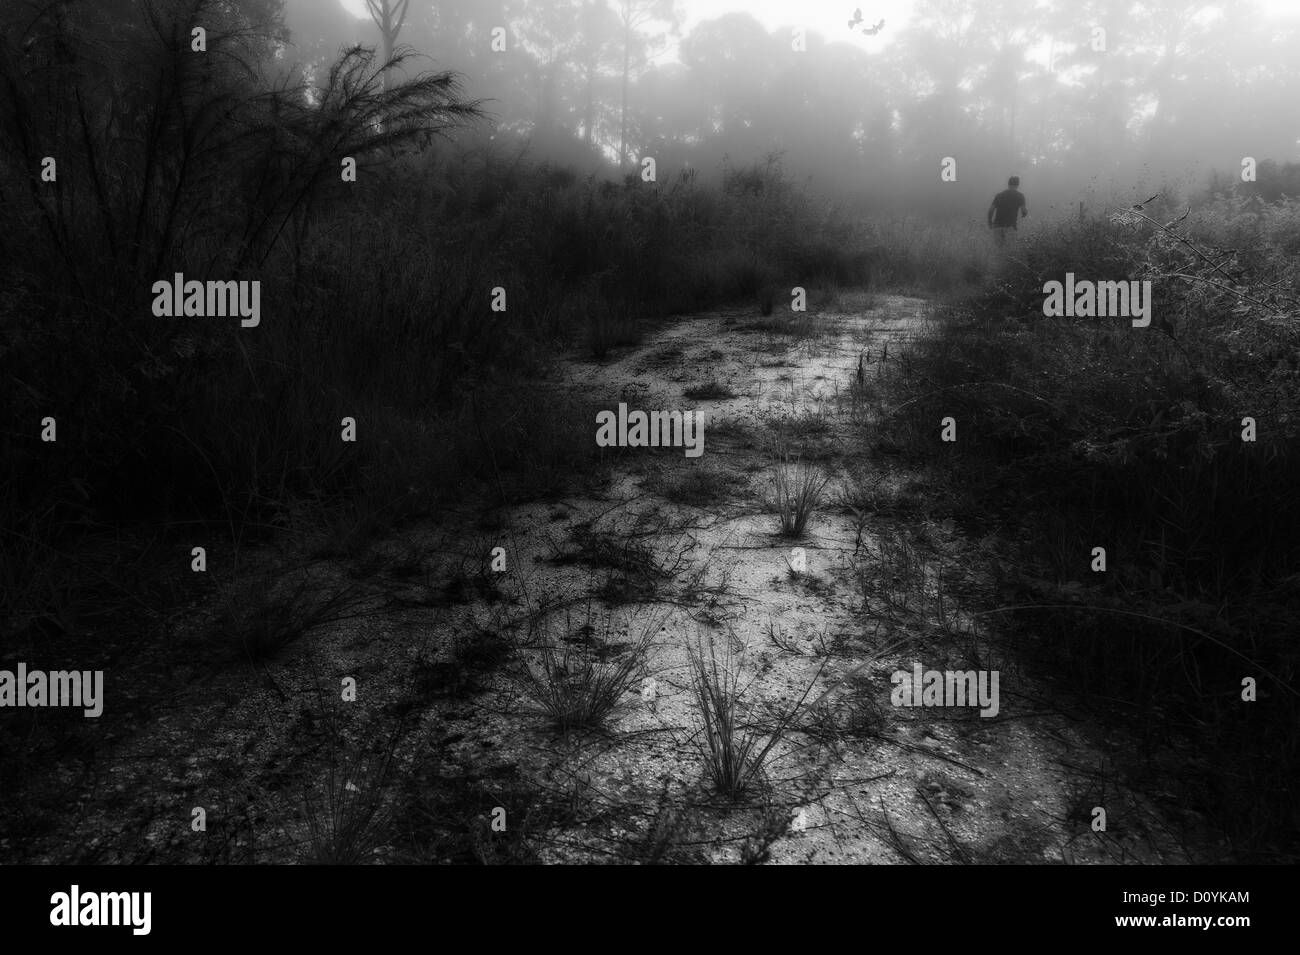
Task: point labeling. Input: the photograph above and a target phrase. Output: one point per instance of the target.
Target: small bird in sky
(874, 30)
(857, 18)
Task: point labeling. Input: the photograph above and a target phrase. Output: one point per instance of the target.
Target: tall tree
(634, 16)
(320, 28)
(550, 33)
(731, 60)
(596, 51)
(389, 16)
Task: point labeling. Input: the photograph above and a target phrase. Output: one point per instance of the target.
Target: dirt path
(860, 780)
(444, 732)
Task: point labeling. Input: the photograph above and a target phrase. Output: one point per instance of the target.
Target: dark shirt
(1006, 205)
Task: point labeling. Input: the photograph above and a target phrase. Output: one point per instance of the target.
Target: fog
(590, 431)
(1094, 101)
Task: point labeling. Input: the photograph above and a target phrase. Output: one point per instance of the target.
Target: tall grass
(577, 675)
(1081, 433)
(351, 822)
(798, 491)
(375, 293)
(376, 298)
(734, 750)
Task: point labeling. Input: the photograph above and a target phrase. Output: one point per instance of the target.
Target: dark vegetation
(1075, 433)
(375, 294)
(376, 305)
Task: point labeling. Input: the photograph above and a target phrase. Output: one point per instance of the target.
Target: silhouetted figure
(1007, 209)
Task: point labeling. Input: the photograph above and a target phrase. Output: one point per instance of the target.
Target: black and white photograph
(649, 432)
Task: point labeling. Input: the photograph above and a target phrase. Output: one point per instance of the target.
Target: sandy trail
(685, 552)
(859, 780)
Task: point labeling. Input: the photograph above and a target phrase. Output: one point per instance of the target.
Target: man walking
(1007, 208)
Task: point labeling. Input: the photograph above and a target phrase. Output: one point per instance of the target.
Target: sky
(828, 17)
(831, 18)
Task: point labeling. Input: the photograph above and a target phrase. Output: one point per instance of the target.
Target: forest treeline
(127, 157)
(225, 165)
(1082, 98)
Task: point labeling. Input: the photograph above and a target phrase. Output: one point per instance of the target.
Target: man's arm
(992, 209)
(1024, 208)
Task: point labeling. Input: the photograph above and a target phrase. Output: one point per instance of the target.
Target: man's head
(1014, 182)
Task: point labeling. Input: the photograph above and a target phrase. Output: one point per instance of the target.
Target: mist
(637, 431)
(1095, 102)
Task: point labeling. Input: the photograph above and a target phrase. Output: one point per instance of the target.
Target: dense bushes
(375, 294)
(1086, 432)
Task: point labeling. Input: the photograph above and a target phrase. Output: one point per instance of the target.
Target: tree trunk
(589, 114)
(622, 132)
(546, 101)
(388, 55)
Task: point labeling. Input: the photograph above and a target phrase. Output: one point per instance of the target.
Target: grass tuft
(734, 750)
(800, 487)
(578, 677)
